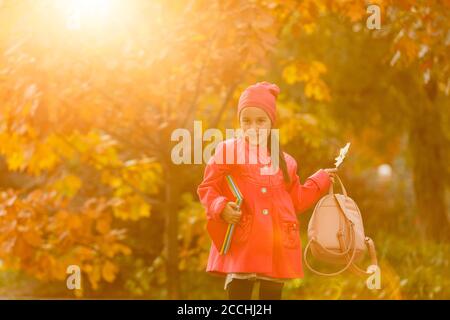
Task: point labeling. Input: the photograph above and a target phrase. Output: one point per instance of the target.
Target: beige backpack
(336, 234)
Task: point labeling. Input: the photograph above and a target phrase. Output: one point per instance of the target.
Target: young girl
(266, 242)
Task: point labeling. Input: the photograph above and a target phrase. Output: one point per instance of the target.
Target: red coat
(267, 239)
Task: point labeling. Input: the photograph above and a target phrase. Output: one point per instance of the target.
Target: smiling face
(252, 120)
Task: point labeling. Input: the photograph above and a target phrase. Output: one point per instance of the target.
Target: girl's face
(252, 120)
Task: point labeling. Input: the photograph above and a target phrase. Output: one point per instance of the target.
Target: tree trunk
(427, 151)
(173, 288)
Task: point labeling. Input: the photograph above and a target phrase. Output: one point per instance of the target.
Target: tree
(411, 52)
(95, 107)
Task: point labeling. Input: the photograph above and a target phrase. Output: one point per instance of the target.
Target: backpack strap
(373, 259)
(368, 241)
(331, 191)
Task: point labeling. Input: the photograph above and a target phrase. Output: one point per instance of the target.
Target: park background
(90, 92)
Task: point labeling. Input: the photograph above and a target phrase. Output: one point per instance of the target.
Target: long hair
(281, 159)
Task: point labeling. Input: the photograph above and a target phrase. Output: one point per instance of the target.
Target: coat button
(263, 189)
(265, 211)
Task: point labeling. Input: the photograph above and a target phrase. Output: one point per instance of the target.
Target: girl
(266, 242)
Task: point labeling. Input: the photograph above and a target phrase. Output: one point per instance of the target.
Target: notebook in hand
(221, 232)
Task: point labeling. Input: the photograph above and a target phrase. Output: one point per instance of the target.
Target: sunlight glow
(82, 13)
(384, 171)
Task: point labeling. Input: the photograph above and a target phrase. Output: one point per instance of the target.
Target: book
(221, 232)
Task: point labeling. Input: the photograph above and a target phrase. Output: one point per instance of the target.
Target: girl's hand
(231, 213)
(331, 172)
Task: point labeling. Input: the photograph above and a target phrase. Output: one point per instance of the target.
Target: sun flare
(82, 13)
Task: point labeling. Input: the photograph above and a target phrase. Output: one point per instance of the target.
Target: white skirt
(250, 276)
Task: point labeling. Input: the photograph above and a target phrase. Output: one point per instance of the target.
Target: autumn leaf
(94, 276)
(356, 11)
(103, 224)
(310, 74)
(342, 153)
(33, 238)
(109, 271)
(68, 185)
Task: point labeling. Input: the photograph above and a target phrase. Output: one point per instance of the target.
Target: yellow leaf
(356, 11)
(290, 74)
(109, 271)
(318, 68)
(33, 238)
(94, 276)
(74, 221)
(15, 161)
(68, 186)
(309, 28)
(103, 224)
(42, 158)
(122, 248)
(133, 208)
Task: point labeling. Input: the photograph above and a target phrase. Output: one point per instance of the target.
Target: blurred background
(91, 90)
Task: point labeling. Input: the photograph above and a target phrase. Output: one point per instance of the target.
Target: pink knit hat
(262, 95)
